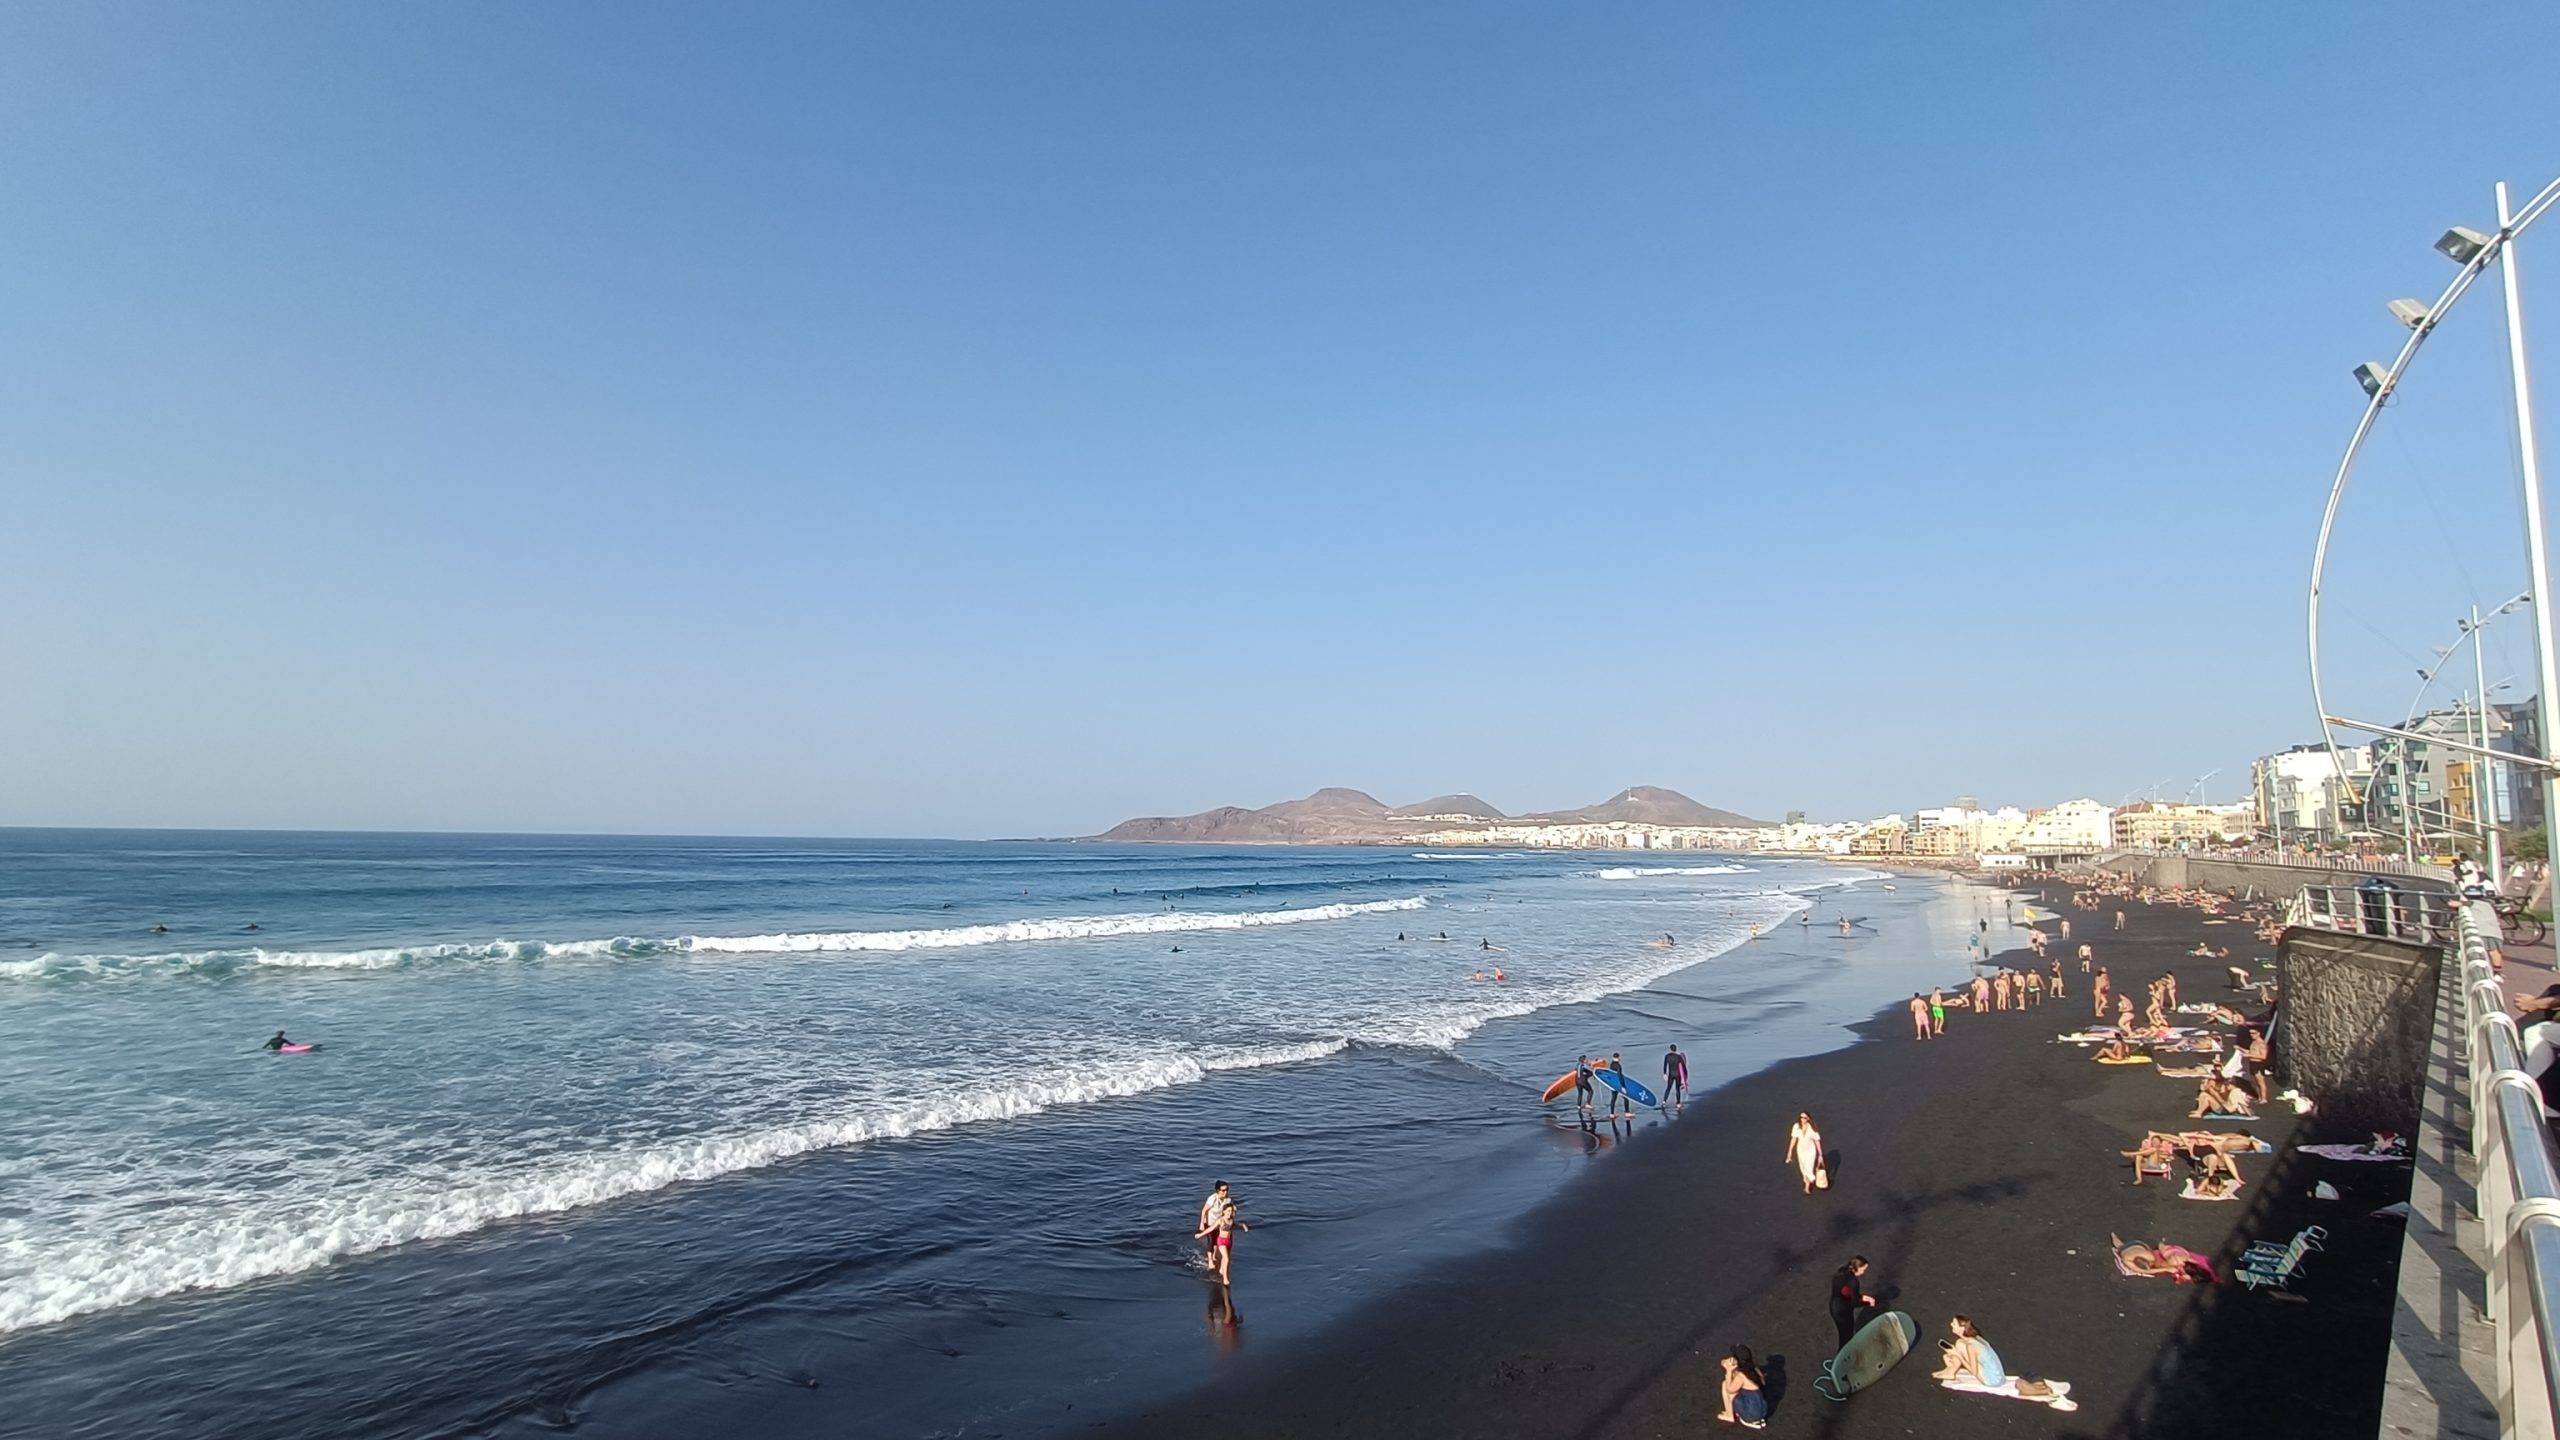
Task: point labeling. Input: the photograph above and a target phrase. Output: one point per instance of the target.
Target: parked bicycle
(2520, 928)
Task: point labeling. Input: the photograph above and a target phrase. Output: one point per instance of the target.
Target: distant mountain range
(1339, 816)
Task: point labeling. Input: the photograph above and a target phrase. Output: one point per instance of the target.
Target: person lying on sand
(2154, 1154)
(2175, 1262)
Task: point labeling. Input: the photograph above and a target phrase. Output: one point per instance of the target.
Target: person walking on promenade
(1919, 1016)
(1849, 1297)
(2098, 993)
(1804, 1147)
(1675, 1077)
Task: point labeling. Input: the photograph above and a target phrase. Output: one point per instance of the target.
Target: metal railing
(2518, 1190)
(2268, 855)
(2424, 917)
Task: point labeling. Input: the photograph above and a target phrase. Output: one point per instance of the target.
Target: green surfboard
(1878, 1346)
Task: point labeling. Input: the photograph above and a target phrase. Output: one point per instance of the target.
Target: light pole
(2482, 813)
(2474, 253)
(2547, 672)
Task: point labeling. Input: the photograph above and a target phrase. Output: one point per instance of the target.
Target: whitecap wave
(195, 1250)
(1639, 872)
(1008, 932)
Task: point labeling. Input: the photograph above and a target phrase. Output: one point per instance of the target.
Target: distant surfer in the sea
(252, 925)
(279, 1042)
(159, 929)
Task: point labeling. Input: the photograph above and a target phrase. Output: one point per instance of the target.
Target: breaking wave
(1638, 872)
(1007, 932)
(235, 1245)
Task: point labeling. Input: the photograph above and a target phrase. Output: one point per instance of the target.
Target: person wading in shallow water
(1675, 1076)
(1218, 1226)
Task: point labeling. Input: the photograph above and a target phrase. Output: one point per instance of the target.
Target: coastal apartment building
(2428, 789)
(2305, 792)
(2158, 825)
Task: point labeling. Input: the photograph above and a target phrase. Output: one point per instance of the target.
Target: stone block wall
(2358, 1011)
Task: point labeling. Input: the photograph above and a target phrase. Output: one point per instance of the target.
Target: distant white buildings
(2166, 825)
(2071, 825)
(2305, 792)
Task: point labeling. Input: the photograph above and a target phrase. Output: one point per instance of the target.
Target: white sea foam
(1071, 927)
(202, 1250)
(1479, 855)
(1639, 872)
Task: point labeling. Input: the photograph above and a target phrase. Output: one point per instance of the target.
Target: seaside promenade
(1980, 1173)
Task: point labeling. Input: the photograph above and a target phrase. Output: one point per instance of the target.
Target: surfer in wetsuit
(1848, 1297)
(1582, 1084)
(1675, 1077)
(278, 1043)
(1618, 1095)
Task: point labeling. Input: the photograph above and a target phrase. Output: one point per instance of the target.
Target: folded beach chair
(2276, 1266)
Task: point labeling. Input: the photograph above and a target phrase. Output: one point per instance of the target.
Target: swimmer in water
(159, 929)
(252, 925)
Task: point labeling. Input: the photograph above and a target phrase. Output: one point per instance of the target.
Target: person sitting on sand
(1745, 1404)
(2216, 1096)
(2176, 1262)
(1972, 1361)
(2115, 1052)
(2155, 1153)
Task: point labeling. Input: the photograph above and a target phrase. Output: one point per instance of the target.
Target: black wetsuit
(1582, 1086)
(1845, 1301)
(1675, 1076)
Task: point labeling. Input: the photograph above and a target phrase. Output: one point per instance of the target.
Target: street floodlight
(2462, 244)
(2408, 312)
(2374, 378)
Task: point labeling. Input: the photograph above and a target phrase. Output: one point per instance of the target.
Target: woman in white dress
(1804, 1146)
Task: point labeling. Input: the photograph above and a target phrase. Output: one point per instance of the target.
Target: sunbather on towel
(2176, 1262)
(1971, 1361)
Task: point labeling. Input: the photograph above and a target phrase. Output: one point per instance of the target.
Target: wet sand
(1979, 1173)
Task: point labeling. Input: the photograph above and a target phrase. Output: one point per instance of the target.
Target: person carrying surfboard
(1675, 1076)
(1618, 1093)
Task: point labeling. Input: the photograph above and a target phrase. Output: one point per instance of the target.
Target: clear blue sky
(1002, 419)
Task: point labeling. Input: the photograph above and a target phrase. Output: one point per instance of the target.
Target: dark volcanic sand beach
(1978, 1172)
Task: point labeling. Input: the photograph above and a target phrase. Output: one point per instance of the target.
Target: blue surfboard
(1628, 1086)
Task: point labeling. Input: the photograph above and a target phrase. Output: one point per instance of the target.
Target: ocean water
(661, 1136)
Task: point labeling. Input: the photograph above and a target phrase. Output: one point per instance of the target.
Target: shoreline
(1980, 1173)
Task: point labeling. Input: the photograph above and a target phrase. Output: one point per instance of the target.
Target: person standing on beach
(1675, 1076)
(2119, 919)
(2055, 988)
(1981, 995)
(1937, 1013)
(2088, 957)
(1618, 1093)
(1804, 1147)
(1849, 1297)
(1919, 1016)
(2098, 993)
(1582, 1085)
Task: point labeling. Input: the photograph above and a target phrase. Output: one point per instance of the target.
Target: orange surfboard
(1562, 1085)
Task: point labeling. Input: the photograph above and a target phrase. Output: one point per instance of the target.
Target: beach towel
(2190, 1193)
(2186, 1072)
(2126, 1060)
(2060, 1399)
(2211, 1116)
